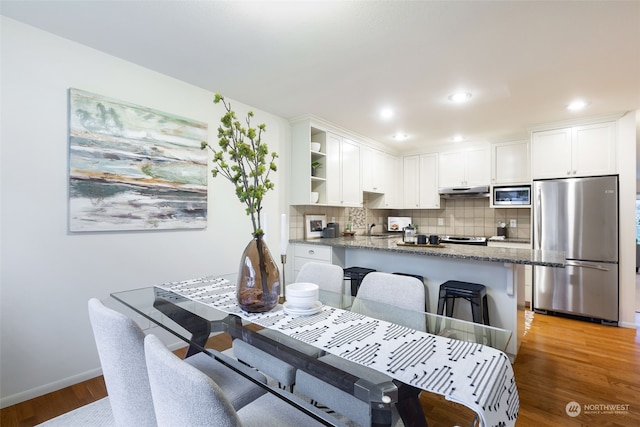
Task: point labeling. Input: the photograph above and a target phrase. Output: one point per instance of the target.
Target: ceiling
(343, 61)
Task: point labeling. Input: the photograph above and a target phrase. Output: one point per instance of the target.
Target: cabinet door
(333, 165)
(351, 187)
(429, 197)
(593, 149)
(510, 162)
(477, 167)
(551, 154)
(392, 187)
(373, 170)
(452, 169)
(411, 182)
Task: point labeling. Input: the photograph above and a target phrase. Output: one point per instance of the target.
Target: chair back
(120, 343)
(328, 277)
(405, 292)
(183, 395)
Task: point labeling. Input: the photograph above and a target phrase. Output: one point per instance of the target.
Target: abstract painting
(134, 168)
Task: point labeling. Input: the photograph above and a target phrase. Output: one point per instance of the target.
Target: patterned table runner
(475, 375)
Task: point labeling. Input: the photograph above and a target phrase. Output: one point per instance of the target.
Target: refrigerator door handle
(586, 265)
(537, 224)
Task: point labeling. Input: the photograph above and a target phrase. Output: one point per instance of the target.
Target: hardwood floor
(560, 361)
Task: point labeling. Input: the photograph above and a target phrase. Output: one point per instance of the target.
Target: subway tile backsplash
(460, 217)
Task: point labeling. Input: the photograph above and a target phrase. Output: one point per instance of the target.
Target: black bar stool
(475, 293)
(355, 276)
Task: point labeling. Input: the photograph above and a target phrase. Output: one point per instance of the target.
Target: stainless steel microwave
(517, 196)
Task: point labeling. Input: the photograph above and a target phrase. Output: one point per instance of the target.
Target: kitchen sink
(383, 236)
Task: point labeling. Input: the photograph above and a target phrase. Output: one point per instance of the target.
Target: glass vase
(258, 286)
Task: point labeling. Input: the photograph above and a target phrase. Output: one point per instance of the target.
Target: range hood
(477, 192)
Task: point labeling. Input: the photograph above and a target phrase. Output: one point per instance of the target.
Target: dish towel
(474, 375)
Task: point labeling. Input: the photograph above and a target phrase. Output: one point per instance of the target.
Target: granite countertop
(470, 252)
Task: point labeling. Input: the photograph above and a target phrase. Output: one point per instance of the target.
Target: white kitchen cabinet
(420, 182)
(577, 151)
(392, 186)
(389, 171)
(303, 253)
(464, 168)
(343, 187)
(511, 162)
(372, 166)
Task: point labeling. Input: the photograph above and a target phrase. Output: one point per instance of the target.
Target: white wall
(47, 274)
(627, 213)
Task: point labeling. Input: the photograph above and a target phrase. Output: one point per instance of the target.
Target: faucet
(369, 227)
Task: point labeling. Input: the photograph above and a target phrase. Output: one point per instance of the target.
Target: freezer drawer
(582, 288)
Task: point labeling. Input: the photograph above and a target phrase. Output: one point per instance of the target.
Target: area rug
(95, 414)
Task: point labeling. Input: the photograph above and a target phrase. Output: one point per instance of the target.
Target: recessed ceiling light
(400, 136)
(577, 105)
(386, 113)
(457, 138)
(460, 97)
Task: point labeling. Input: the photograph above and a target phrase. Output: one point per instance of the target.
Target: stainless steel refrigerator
(578, 216)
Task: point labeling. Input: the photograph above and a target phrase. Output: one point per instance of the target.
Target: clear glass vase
(258, 286)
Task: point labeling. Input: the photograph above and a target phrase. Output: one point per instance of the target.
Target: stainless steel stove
(465, 240)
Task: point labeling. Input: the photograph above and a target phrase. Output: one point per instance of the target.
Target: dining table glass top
(415, 348)
(142, 301)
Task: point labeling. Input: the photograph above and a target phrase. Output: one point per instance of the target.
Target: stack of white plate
(302, 299)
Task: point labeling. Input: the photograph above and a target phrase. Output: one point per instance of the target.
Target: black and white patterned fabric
(474, 375)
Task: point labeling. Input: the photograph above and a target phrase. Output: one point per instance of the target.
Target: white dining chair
(328, 277)
(184, 396)
(405, 292)
(120, 343)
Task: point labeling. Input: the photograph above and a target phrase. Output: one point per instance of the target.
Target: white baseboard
(48, 388)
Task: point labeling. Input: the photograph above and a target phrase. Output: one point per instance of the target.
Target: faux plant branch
(242, 159)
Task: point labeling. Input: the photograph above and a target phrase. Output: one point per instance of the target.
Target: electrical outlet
(513, 223)
(440, 221)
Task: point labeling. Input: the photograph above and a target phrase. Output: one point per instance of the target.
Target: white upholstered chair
(398, 290)
(184, 396)
(120, 343)
(328, 277)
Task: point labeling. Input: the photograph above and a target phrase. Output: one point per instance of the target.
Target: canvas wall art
(134, 168)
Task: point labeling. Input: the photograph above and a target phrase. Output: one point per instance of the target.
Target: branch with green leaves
(242, 159)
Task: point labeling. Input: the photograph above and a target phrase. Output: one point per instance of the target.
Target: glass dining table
(419, 351)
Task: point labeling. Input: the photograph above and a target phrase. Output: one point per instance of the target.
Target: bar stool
(355, 276)
(475, 293)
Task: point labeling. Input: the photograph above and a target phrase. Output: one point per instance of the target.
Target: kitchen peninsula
(501, 270)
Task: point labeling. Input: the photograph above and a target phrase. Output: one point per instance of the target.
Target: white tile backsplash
(469, 217)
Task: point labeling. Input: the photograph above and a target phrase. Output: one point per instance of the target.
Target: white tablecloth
(474, 375)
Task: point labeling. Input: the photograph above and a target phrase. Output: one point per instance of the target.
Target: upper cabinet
(343, 172)
(510, 162)
(464, 168)
(373, 170)
(385, 194)
(577, 151)
(420, 182)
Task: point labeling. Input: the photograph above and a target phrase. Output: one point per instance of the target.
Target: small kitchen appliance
(512, 196)
(398, 223)
(409, 235)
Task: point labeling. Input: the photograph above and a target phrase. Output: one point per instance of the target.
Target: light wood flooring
(560, 361)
